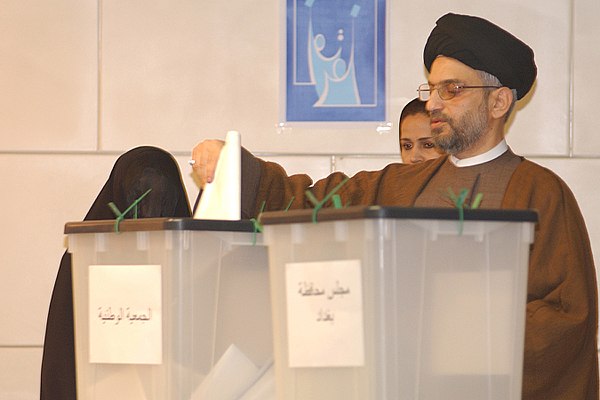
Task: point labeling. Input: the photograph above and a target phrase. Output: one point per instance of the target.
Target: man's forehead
(445, 81)
(449, 70)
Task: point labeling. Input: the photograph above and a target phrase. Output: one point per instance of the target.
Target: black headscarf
(133, 174)
(483, 46)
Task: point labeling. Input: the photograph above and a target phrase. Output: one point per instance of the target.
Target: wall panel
(48, 75)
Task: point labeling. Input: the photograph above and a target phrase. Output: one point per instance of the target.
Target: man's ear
(501, 100)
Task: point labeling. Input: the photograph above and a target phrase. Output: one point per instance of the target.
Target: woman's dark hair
(413, 107)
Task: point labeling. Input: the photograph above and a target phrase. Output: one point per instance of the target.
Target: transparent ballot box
(398, 303)
(160, 302)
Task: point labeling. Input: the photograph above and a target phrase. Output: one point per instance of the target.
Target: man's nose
(434, 102)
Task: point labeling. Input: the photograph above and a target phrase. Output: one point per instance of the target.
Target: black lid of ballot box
(378, 212)
(158, 224)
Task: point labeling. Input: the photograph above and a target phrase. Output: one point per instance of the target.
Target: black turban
(483, 46)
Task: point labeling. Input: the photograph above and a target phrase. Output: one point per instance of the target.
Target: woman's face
(416, 144)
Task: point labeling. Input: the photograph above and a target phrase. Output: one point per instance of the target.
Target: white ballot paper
(233, 376)
(264, 387)
(222, 198)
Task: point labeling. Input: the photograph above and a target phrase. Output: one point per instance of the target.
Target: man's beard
(463, 133)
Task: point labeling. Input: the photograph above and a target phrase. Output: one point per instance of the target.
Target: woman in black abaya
(133, 174)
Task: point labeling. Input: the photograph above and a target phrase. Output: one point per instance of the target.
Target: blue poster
(335, 60)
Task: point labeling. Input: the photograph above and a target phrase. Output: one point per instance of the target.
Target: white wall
(83, 81)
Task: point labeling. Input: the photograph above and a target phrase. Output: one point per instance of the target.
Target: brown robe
(561, 357)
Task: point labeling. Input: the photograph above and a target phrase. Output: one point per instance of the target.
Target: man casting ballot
(477, 71)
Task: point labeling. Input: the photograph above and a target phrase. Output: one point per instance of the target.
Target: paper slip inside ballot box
(221, 199)
(230, 377)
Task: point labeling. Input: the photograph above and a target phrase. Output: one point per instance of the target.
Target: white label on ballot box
(324, 314)
(125, 314)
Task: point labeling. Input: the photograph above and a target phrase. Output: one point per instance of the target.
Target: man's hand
(205, 156)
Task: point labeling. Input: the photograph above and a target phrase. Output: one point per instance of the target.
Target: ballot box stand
(398, 303)
(157, 301)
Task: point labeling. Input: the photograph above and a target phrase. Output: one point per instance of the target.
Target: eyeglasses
(446, 91)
